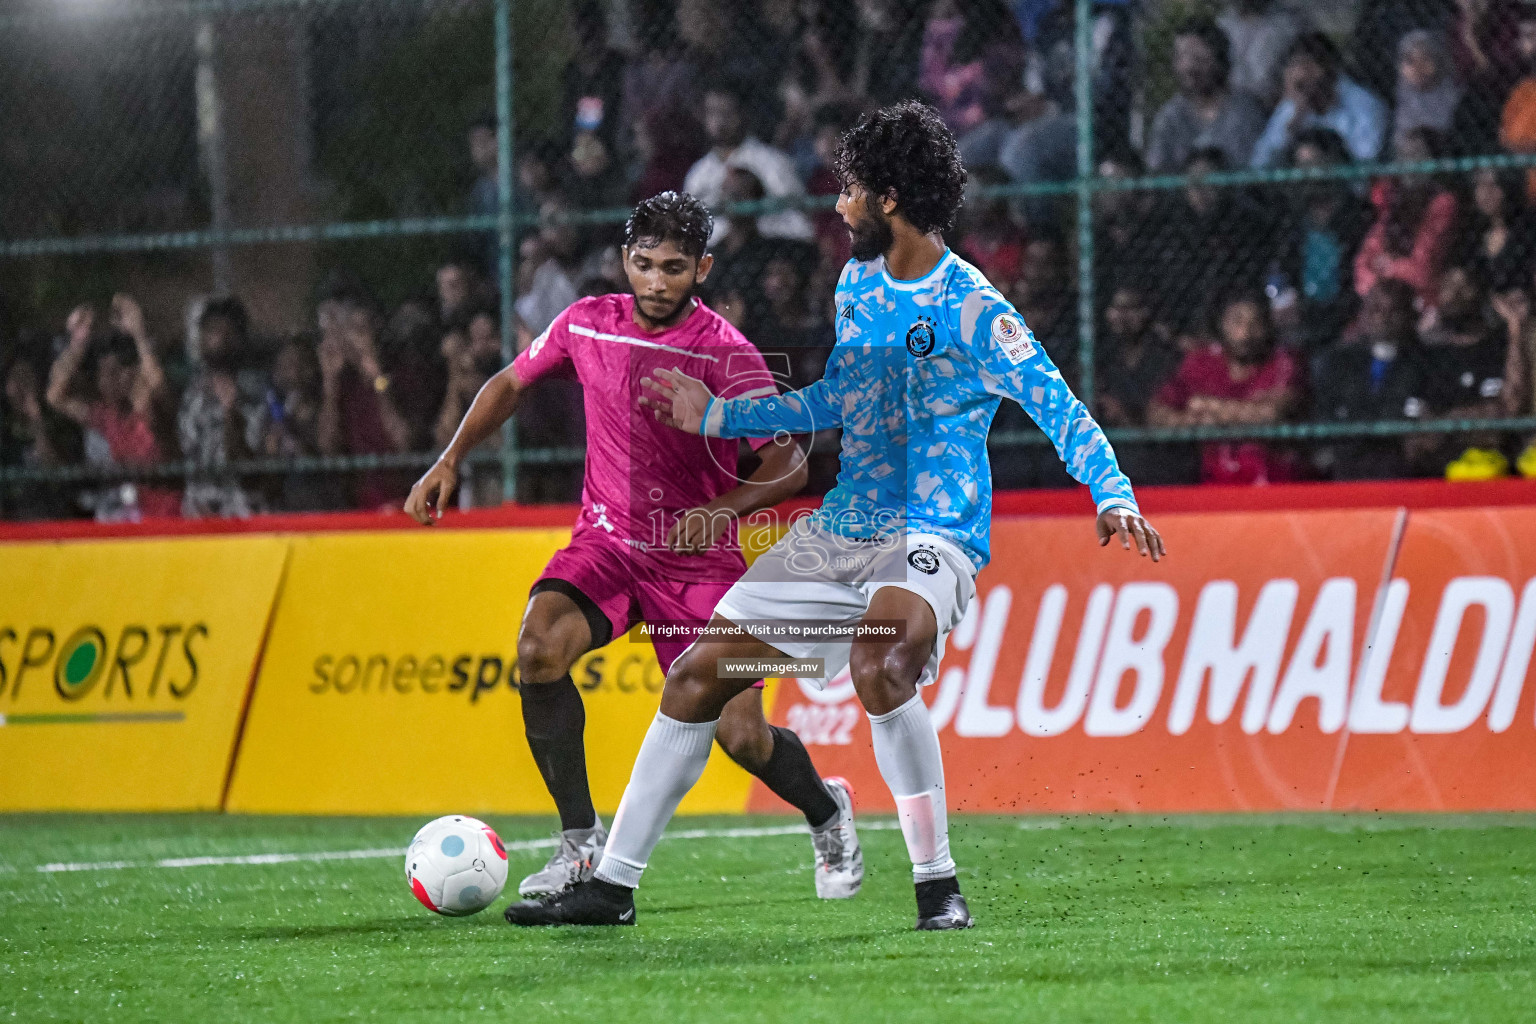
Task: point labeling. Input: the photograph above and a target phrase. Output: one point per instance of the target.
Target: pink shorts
(629, 587)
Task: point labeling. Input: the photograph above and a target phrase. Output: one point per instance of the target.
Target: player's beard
(672, 316)
(871, 236)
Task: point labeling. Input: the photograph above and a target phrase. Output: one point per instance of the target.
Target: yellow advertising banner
(124, 668)
(389, 685)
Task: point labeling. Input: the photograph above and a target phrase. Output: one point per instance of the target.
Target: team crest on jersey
(924, 561)
(1012, 337)
(920, 337)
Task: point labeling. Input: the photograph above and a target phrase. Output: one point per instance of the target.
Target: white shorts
(813, 575)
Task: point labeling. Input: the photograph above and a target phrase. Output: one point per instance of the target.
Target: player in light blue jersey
(875, 580)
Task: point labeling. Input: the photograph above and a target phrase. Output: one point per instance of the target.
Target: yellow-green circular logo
(82, 658)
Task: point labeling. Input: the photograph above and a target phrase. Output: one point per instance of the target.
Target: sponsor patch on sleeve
(1012, 337)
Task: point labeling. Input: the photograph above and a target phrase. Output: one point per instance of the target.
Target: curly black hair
(671, 216)
(906, 151)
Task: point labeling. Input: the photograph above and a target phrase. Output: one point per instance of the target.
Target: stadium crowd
(1334, 300)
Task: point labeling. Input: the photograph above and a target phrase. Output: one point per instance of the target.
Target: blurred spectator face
(482, 148)
(22, 388)
(1525, 40)
(1112, 202)
(878, 15)
(1308, 84)
(330, 315)
(1414, 147)
(533, 173)
(1489, 194)
(558, 235)
(295, 369)
(1387, 314)
(1460, 301)
(1128, 315)
(742, 186)
(723, 122)
(218, 342)
(1245, 335)
(588, 155)
(702, 24)
(781, 283)
(485, 343)
(1419, 68)
(1194, 65)
(114, 378)
(452, 288)
(1042, 276)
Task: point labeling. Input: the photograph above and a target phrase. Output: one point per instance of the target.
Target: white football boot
(573, 861)
(839, 860)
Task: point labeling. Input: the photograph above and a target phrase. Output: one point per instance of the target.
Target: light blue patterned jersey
(914, 381)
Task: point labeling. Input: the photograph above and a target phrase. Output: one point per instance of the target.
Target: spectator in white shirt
(731, 147)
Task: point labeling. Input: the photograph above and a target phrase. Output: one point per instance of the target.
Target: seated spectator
(1427, 90)
(1467, 359)
(1415, 225)
(1319, 95)
(742, 252)
(597, 181)
(1129, 233)
(1133, 359)
(1044, 296)
(732, 146)
(358, 414)
(1204, 114)
(36, 436)
(409, 352)
(1500, 239)
(554, 255)
(457, 284)
(869, 50)
(989, 238)
(667, 143)
(1212, 238)
(1260, 33)
(1328, 221)
(1242, 379)
(471, 348)
(966, 43)
(127, 408)
(1383, 373)
(1517, 118)
(288, 427)
(223, 396)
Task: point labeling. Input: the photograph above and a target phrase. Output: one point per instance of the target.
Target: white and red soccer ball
(456, 865)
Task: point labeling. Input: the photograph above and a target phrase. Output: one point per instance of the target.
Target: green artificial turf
(1082, 919)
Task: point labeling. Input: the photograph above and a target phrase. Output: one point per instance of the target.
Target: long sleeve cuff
(714, 418)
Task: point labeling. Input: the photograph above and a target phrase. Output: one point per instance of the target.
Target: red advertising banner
(1278, 660)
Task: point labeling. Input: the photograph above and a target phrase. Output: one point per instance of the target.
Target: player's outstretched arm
(780, 474)
(496, 401)
(676, 399)
(685, 402)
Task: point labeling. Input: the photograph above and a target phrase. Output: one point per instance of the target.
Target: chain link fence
(1264, 240)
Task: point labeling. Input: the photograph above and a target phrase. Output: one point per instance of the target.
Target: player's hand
(431, 494)
(677, 399)
(128, 316)
(696, 530)
(1125, 524)
(79, 325)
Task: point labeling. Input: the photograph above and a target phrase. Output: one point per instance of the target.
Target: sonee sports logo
(924, 560)
(920, 337)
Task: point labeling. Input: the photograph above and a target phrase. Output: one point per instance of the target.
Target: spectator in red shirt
(128, 408)
(1242, 379)
(1414, 229)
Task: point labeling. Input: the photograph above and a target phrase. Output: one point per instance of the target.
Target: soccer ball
(456, 865)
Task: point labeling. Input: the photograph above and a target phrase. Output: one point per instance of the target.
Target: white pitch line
(515, 846)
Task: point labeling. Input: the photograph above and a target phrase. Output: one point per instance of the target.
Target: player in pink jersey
(656, 538)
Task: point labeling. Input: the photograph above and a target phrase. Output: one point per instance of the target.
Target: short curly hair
(671, 217)
(906, 151)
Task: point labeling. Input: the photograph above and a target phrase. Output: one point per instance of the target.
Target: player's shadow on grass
(378, 926)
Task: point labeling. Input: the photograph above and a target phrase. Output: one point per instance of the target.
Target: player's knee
(693, 686)
(885, 675)
(539, 662)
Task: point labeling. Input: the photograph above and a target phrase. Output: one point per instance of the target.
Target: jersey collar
(921, 282)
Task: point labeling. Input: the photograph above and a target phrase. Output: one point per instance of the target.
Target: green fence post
(505, 212)
(1083, 88)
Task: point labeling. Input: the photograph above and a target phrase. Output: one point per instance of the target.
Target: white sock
(670, 761)
(907, 751)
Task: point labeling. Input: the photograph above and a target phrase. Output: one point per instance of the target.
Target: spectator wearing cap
(1318, 94)
(124, 412)
(1260, 33)
(1205, 113)
(1383, 373)
(1415, 225)
(732, 146)
(217, 408)
(1242, 379)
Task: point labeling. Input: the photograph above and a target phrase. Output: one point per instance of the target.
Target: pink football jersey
(640, 473)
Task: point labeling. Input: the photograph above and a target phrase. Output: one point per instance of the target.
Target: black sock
(793, 778)
(555, 720)
(932, 895)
